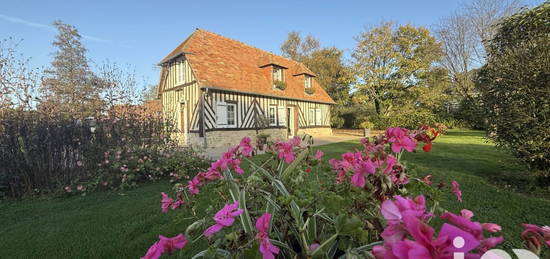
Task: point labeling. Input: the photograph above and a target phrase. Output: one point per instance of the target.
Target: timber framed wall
(179, 86)
(249, 104)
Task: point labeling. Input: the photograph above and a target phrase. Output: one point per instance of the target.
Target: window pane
(272, 116)
(181, 72)
(221, 114)
(282, 116)
(318, 116)
(277, 74)
(307, 81)
(231, 114)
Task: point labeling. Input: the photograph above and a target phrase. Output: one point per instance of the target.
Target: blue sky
(140, 33)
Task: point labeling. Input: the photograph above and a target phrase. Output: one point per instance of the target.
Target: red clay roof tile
(222, 63)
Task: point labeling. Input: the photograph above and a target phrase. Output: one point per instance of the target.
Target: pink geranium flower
(170, 245)
(361, 169)
(165, 203)
(318, 155)
(285, 151)
(193, 185)
(391, 161)
(236, 164)
(423, 245)
(466, 224)
(224, 218)
(246, 147)
(534, 237)
(266, 248)
(400, 140)
(165, 245)
(176, 204)
(456, 190)
(295, 141)
(466, 213)
(211, 175)
(491, 227)
(154, 252)
(393, 210)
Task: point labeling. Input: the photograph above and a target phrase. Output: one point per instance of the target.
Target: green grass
(123, 225)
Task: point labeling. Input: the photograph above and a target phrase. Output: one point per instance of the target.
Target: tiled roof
(222, 63)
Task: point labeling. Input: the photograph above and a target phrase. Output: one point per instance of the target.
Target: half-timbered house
(217, 90)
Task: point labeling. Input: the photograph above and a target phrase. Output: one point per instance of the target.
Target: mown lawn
(123, 225)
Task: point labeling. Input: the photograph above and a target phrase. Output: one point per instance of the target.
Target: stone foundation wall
(315, 132)
(194, 140)
(227, 138)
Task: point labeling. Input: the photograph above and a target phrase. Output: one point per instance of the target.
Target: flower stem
(324, 244)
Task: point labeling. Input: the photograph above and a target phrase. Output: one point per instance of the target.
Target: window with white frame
(180, 72)
(282, 116)
(307, 81)
(272, 116)
(277, 73)
(311, 117)
(226, 115)
(317, 116)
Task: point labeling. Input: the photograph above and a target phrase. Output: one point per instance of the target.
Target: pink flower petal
(491, 227)
(212, 230)
(154, 252)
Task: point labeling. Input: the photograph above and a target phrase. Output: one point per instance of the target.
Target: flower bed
(283, 206)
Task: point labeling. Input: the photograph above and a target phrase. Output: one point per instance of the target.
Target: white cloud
(51, 28)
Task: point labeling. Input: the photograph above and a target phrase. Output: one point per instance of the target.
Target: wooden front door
(290, 122)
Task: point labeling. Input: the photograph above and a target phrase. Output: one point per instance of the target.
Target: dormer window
(307, 81)
(278, 78)
(277, 73)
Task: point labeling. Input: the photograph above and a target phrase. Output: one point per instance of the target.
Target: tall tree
(118, 84)
(391, 64)
(327, 63)
(69, 85)
(463, 36)
(297, 48)
(18, 80)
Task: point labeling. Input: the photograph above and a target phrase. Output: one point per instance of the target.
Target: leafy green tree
(328, 64)
(297, 48)
(69, 85)
(392, 64)
(515, 88)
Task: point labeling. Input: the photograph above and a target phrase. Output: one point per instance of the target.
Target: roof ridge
(248, 45)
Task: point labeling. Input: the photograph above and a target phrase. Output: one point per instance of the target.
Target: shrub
(406, 119)
(43, 153)
(125, 167)
(515, 90)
